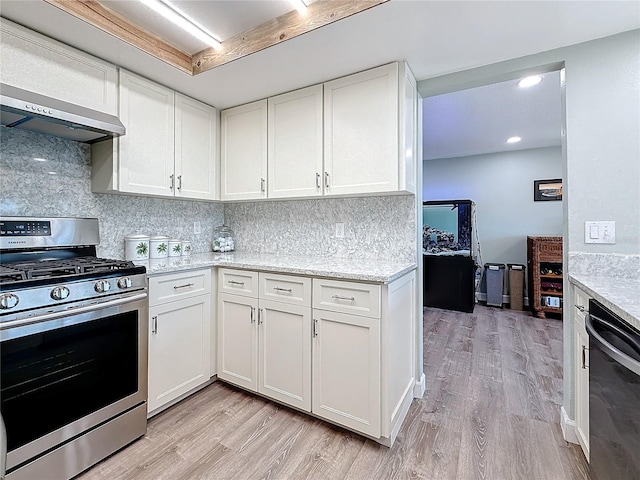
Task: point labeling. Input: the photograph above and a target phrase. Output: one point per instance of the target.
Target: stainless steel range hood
(31, 111)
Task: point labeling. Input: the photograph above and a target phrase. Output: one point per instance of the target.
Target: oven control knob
(8, 300)
(60, 293)
(124, 282)
(102, 286)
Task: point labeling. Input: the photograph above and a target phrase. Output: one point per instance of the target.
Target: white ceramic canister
(136, 247)
(159, 247)
(175, 248)
(186, 248)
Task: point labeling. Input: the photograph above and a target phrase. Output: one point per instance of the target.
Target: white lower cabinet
(344, 353)
(581, 366)
(179, 336)
(346, 370)
(265, 345)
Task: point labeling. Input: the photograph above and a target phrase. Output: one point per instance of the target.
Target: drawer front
(285, 288)
(238, 282)
(347, 297)
(177, 286)
(580, 305)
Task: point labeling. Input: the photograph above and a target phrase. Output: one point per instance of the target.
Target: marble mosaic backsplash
(374, 227)
(604, 264)
(47, 176)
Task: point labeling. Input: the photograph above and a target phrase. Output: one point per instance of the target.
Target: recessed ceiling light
(38, 159)
(52, 173)
(527, 82)
(513, 139)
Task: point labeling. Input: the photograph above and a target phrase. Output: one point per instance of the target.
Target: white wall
(501, 184)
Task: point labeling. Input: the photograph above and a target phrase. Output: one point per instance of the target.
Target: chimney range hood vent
(37, 113)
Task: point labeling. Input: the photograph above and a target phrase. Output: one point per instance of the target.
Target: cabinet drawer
(238, 282)
(176, 286)
(285, 288)
(347, 297)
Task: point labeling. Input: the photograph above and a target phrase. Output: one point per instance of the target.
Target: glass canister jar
(223, 239)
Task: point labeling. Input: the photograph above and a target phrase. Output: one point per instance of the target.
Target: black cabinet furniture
(448, 261)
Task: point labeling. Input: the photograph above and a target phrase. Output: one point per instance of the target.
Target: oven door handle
(71, 311)
(611, 351)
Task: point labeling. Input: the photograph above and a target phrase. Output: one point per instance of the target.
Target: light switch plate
(600, 232)
(339, 230)
(197, 230)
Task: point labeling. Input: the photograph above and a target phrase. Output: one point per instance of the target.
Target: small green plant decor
(177, 249)
(161, 248)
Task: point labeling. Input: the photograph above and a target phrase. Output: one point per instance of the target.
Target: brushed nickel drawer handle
(154, 324)
(317, 180)
(176, 287)
(278, 289)
(233, 282)
(338, 297)
(581, 308)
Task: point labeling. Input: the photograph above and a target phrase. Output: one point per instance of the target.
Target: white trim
(568, 427)
(419, 387)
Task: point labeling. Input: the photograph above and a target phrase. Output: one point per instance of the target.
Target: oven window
(53, 378)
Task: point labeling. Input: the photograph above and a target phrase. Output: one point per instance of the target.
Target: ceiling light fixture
(513, 139)
(299, 5)
(175, 16)
(530, 81)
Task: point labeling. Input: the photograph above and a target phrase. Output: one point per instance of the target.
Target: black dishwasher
(614, 396)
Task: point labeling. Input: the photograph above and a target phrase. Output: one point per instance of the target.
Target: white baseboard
(419, 388)
(568, 427)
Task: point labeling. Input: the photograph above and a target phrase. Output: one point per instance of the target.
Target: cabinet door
(284, 358)
(147, 150)
(195, 157)
(361, 132)
(346, 370)
(238, 340)
(39, 64)
(582, 385)
(243, 152)
(179, 348)
(295, 143)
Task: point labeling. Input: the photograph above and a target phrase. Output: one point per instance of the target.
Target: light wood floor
(491, 411)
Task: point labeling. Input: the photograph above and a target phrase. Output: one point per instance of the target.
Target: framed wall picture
(546, 190)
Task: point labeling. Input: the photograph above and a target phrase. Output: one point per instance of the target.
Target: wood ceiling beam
(285, 27)
(96, 14)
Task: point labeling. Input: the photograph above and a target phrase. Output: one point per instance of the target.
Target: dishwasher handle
(611, 351)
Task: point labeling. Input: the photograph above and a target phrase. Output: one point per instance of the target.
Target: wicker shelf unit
(544, 259)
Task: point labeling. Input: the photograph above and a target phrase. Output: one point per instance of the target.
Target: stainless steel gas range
(73, 346)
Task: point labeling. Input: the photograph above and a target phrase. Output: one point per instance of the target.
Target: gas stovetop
(43, 272)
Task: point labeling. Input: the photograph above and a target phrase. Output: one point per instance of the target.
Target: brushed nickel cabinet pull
(315, 328)
(154, 324)
(584, 357)
(326, 179)
(317, 180)
(260, 319)
(176, 287)
(338, 297)
(262, 184)
(179, 182)
(233, 282)
(253, 318)
(278, 289)
(173, 181)
(581, 308)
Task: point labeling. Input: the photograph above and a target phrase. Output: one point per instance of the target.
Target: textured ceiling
(479, 120)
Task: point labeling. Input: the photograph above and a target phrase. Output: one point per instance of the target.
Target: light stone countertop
(621, 295)
(377, 271)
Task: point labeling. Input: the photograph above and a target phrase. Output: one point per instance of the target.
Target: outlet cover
(600, 232)
(339, 230)
(197, 230)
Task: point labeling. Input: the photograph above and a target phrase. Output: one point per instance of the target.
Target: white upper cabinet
(39, 64)
(243, 152)
(169, 149)
(365, 132)
(147, 150)
(196, 166)
(295, 143)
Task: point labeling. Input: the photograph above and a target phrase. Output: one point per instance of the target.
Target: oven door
(68, 372)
